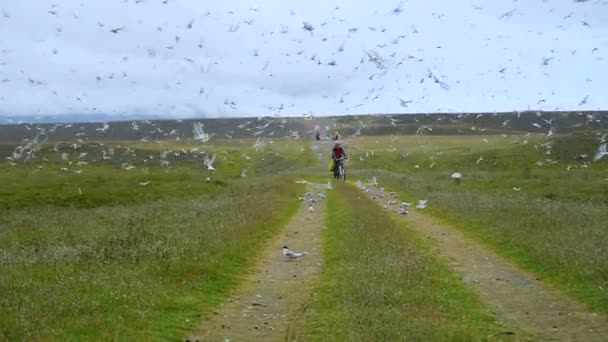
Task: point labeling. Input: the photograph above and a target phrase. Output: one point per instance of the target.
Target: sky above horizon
(190, 58)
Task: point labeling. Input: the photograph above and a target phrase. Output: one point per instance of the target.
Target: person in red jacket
(338, 155)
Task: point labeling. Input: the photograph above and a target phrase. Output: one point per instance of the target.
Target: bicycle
(340, 171)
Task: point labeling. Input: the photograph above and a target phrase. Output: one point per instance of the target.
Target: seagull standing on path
(289, 254)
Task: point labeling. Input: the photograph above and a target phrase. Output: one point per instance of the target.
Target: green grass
(562, 241)
(554, 226)
(94, 255)
(133, 272)
(105, 182)
(100, 186)
(382, 283)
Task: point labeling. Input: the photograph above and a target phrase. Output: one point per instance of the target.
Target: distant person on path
(317, 136)
(337, 137)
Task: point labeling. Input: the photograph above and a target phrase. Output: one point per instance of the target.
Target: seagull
(117, 30)
(308, 27)
(404, 103)
(208, 162)
(397, 10)
(457, 176)
(103, 129)
(601, 152)
(421, 204)
(546, 60)
(289, 254)
(144, 183)
(374, 181)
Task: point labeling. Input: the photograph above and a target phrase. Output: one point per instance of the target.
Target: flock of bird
(385, 58)
(375, 192)
(77, 155)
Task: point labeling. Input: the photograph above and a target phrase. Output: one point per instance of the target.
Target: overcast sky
(185, 58)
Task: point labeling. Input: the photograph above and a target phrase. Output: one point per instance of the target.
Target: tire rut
(277, 292)
(520, 300)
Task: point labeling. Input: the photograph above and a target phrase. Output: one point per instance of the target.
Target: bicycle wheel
(342, 173)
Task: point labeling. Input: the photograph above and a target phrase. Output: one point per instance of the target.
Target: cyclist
(338, 155)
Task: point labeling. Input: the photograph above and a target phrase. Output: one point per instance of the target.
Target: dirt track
(521, 301)
(278, 290)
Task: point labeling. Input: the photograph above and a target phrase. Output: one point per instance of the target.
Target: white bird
(199, 133)
(208, 162)
(421, 204)
(403, 211)
(456, 176)
(144, 183)
(516, 189)
(311, 209)
(289, 254)
(104, 129)
(601, 152)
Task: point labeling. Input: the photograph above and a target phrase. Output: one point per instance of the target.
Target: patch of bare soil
(522, 302)
(277, 291)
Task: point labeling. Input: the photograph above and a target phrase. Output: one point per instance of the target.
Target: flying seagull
(117, 30)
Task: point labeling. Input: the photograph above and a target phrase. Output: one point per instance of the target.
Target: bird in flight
(117, 30)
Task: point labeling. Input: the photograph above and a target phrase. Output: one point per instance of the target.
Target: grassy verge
(560, 239)
(381, 282)
(144, 271)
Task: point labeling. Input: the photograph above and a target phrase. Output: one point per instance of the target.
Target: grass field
(95, 255)
(382, 283)
(135, 240)
(550, 217)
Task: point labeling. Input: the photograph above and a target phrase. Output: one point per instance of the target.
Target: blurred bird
(404, 103)
(601, 152)
(117, 30)
(289, 254)
(208, 162)
(421, 204)
(457, 176)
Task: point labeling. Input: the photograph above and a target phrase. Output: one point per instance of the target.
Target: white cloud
(49, 63)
